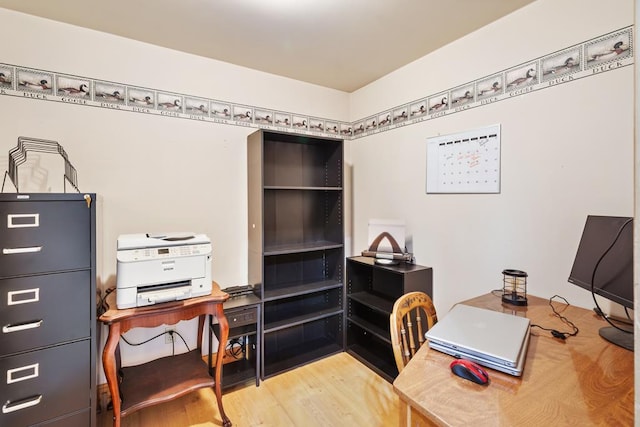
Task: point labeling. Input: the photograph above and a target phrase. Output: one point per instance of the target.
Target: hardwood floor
(335, 391)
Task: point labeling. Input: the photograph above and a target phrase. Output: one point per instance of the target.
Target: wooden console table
(583, 380)
(141, 386)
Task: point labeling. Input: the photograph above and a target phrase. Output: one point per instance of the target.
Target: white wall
(151, 173)
(567, 151)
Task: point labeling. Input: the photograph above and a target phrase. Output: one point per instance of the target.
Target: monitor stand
(617, 337)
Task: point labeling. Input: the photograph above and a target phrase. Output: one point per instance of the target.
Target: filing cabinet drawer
(45, 384)
(38, 237)
(80, 419)
(43, 310)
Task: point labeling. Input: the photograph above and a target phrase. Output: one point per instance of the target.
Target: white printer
(163, 267)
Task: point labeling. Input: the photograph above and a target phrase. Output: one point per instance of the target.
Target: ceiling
(340, 44)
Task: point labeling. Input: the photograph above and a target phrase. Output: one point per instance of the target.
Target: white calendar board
(466, 162)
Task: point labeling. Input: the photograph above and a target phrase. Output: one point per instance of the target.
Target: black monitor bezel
(627, 224)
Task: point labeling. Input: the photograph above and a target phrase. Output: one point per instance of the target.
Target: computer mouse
(470, 371)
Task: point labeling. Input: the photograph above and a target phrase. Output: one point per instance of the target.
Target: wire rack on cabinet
(18, 156)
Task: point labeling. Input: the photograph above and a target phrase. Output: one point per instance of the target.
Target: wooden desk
(582, 381)
(168, 377)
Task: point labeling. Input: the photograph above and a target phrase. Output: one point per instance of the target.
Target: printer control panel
(158, 253)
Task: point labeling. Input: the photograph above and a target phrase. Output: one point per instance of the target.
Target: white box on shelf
(395, 228)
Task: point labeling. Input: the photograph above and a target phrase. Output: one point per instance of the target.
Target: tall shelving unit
(296, 246)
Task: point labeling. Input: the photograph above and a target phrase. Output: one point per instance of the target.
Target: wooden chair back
(412, 316)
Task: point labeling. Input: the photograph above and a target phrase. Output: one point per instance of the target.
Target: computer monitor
(604, 265)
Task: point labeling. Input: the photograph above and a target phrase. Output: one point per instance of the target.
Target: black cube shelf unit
(296, 246)
(372, 290)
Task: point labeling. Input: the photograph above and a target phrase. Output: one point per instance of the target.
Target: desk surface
(581, 381)
(181, 308)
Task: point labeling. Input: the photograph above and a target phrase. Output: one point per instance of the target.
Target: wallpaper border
(601, 54)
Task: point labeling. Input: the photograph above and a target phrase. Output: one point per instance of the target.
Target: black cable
(157, 336)
(497, 292)
(554, 332)
(103, 306)
(143, 342)
(181, 337)
(593, 278)
(235, 348)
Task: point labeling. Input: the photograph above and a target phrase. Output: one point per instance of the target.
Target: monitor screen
(605, 257)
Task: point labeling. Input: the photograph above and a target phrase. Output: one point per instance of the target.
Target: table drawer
(39, 237)
(43, 310)
(241, 317)
(45, 384)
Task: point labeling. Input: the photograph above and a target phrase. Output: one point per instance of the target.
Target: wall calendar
(465, 162)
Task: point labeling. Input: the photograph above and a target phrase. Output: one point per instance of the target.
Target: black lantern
(514, 287)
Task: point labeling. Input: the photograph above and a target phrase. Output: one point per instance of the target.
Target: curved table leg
(222, 343)
(110, 369)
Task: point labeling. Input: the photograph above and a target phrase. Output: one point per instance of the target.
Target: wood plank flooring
(335, 391)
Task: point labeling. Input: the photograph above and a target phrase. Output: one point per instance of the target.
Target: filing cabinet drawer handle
(30, 249)
(23, 373)
(26, 403)
(24, 296)
(23, 220)
(21, 327)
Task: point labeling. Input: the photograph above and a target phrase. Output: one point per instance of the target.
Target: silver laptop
(515, 371)
(487, 335)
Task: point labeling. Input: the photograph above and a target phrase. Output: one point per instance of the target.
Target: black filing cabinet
(47, 310)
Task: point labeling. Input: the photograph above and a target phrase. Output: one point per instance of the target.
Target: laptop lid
(490, 335)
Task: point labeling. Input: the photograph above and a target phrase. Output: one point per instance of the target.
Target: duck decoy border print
(332, 128)
(607, 52)
(220, 110)
(358, 128)
(400, 114)
(566, 62)
(109, 94)
(300, 122)
(170, 102)
(196, 106)
(34, 81)
(6, 77)
(73, 86)
(490, 87)
(370, 123)
(418, 109)
(345, 129)
(462, 95)
(522, 76)
(606, 49)
(439, 103)
(283, 120)
(243, 113)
